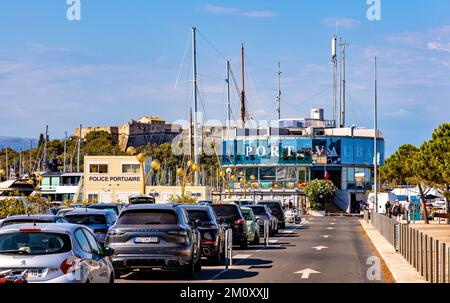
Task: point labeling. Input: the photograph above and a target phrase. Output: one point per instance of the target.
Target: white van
(383, 198)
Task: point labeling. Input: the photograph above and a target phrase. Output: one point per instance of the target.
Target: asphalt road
(320, 250)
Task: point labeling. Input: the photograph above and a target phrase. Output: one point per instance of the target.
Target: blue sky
(123, 59)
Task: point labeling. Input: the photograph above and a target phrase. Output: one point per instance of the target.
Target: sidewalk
(401, 270)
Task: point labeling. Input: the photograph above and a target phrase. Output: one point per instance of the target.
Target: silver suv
(155, 236)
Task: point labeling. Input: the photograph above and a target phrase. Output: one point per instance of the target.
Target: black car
(231, 215)
(211, 229)
(38, 219)
(277, 210)
(263, 213)
(116, 207)
(155, 236)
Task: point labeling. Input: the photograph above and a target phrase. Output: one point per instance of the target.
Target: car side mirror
(220, 221)
(108, 251)
(195, 223)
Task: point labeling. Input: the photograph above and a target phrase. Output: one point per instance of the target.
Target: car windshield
(201, 215)
(259, 210)
(110, 208)
(274, 207)
(23, 221)
(227, 212)
(34, 243)
(247, 215)
(148, 217)
(86, 219)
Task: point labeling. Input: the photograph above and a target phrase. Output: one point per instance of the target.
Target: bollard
(421, 254)
(436, 260)
(426, 258)
(431, 260)
(229, 248)
(266, 233)
(443, 263)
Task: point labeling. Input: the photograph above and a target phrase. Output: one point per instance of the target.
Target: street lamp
(142, 158)
(244, 183)
(185, 174)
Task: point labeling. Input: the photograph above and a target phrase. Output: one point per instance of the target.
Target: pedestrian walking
(407, 210)
(397, 211)
(387, 207)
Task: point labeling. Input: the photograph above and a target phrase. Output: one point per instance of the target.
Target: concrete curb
(401, 270)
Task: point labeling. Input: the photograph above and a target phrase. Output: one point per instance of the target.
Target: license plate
(34, 274)
(146, 240)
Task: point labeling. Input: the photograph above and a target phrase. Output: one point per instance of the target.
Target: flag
(327, 176)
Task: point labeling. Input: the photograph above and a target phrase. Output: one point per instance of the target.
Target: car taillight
(239, 222)
(70, 264)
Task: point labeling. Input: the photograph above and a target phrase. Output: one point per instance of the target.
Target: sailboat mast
(228, 124)
(279, 92)
(44, 164)
(243, 109)
(65, 153)
(195, 94)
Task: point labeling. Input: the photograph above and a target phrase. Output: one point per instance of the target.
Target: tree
(400, 169)
(319, 192)
(433, 162)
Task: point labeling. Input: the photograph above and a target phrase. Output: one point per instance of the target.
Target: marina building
(284, 159)
(116, 178)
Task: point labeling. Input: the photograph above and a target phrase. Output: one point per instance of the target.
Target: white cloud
(398, 113)
(341, 22)
(438, 46)
(226, 10)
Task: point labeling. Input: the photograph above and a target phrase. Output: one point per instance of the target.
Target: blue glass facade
(341, 151)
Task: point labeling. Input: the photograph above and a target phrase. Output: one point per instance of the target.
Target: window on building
(131, 168)
(93, 198)
(98, 168)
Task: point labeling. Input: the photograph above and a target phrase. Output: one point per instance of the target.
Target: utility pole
(195, 92)
(343, 46)
(65, 153)
(375, 157)
(279, 92)
(334, 58)
(79, 149)
(228, 97)
(243, 109)
(44, 165)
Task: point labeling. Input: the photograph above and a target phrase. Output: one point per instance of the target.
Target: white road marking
(326, 236)
(319, 248)
(332, 223)
(287, 231)
(330, 228)
(241, 257)
(273, 241)
(306, 273)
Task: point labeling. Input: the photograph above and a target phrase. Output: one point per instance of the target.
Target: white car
(55, 253)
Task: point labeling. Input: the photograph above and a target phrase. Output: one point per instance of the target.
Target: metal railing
(429, 256)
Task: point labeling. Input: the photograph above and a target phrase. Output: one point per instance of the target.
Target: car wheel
(257, 240)
(111, 279)
(217, 259)
(189, 271)
(198, 265)
(283, 226)
(244, 244)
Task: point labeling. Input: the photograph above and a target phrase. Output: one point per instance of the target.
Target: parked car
(252, 224)
(263, 213)
(212, 231)
(55, 253)
(99, 221)
(205, 202)
(115, 207)
(277, 209)
(32, 219)
(231, 215)
(63, 211)
(155, 236)
(141, 199)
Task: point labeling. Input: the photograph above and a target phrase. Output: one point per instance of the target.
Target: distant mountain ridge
(17, 143)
